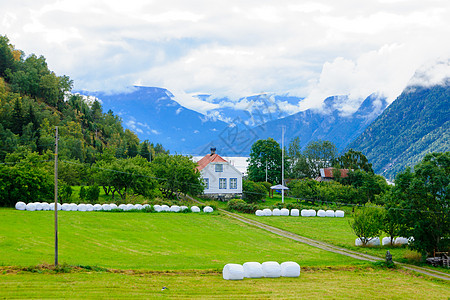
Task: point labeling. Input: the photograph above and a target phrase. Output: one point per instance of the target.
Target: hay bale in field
(175, 208)
(21, 205)
(30, 207)
(58, 206)
(233, 272)
(295, 212)
(304, 213)
(267, 212)
(113, 205)
(271, 269)
(386, 241)
(130, 206)
(138, 206)
(374, 242)
(38, 205)
(82, 207)
(146, 205)
(165, 207)
(290, 269)
(157, 208)
(401, 241)
(321, 213)
(106, 207)
(45, 206)
(339, 214)
(329, 213)
(73, 207)
(195, 209)
(358, 242)
(253, 270)
(208, 209)
(97, 207)
(259, 213)
(183, 207)
(284, 212)
(123, 206)
(65, 207)
(276, 212)
(89, 207)
(312, 212)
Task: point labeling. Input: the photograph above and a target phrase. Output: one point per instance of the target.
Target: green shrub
(92, 193)
(253, 191)
(241, 206)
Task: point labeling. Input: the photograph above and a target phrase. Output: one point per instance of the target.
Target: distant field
(151, 241)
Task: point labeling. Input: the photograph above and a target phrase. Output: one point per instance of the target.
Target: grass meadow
(134, 255)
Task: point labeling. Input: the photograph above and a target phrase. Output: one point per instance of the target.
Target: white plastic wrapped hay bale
(73, 207)
(82, 207)
(304, 213)
(208, 209)
(233, 272)
(386, 241)
(339, 214)
(312, 212)
(267, 212)
(195, 209)
(157, 208)
(21, 205)
(89, 207)
(45, 206)
(259, 213)
(65, 207)
(165, 207)
(276, 212)
(130, 206)
(38, 205)
(175, 208)
(271, 269)
(113, 205)
(321, 213)
(31, 207)
(123, 206)
(329, 213)
(58, 206)
(253, 270)
(284, 212)
(97, 207)
(290, 269)
(400, 241)
(183, 208)
(374, 242)
(358, 242)
(106, 207)
(145, 206)
(295, 212)
(138, 206)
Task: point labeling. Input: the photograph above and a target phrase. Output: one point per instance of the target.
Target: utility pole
(56, 195)
(282, 163)
(266, 170)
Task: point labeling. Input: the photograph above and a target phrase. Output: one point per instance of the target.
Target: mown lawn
(358, 283)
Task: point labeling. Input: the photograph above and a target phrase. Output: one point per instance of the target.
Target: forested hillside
(416, 123)
(33, 100)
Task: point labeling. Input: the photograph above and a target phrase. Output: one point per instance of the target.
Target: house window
(222, 183)
(206, 181)
(233, 183)
(219, 168)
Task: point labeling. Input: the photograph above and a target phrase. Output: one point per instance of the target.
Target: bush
(92, 193)
(64, 192)
(253, 191)
(367, 223)
(241, 206)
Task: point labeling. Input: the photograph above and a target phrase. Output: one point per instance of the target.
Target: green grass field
(185, 252)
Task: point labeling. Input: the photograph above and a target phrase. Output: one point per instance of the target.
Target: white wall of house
(222, 178)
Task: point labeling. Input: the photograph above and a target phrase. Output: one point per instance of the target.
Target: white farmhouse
(222, 179)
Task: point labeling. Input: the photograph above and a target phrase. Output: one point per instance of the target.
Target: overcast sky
(311, 49)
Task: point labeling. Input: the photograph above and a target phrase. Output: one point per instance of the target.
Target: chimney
(213, 151)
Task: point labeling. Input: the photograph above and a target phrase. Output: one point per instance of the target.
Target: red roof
(328, 173)
(209, 158)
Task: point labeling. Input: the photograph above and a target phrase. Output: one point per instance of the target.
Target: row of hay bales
(398, 241)
(304, 212)
(268, 269)
(36, 206)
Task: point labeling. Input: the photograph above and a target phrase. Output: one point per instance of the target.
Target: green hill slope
(415, 124)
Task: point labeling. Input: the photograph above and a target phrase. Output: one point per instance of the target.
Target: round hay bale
(97, 207)
(284, 212)
(58, 206)
(400, 241)
(386, 241)
(259, 213)
(175, 208)
(165, 207)
(21, 205)
(123, 207)
(329, 213)
(106, 207)
(45, 206)
(312, 212)
(208, 209)
(113, 205)
(31, 207)
(271, 269)
(38, 205)
(138, 206)
(358, 242)
(195, 209)
(130, 206)
(304, 213)
(339, 214)
(65, 207)
(82, 207)
(183, 207)
(157, 208)
(146, 205)
(89, 207)
(253, 270)
(233, 272)
(290, 269)
(374, 242)
(73, 207)
(295, 212)
(267, 212)
(321, 213)
(276, 212)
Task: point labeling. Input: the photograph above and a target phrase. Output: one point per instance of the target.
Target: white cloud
(234, 48)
